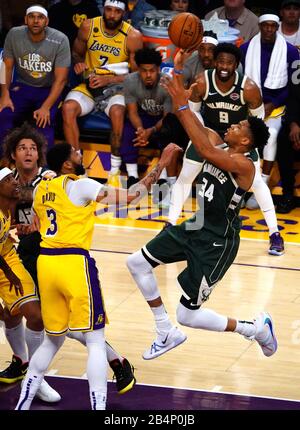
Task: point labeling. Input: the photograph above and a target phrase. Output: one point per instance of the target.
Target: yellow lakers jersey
(5, 245)
(103, 49)
(63, 224)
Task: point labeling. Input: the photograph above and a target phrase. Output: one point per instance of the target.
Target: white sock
(112, 354)
(16, 339)
(132, 169)
(33, 340)
(162, 320)
(205, 319)
(97, 368)
(29, 388)
(245, 328)
(182, 188)
(115, 162)
(38, 365)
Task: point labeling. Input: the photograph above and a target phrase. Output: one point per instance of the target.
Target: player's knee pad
(137, 263)
(184, 315)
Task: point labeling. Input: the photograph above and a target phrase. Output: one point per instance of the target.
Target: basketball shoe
(46, 393)
(276, 244)
(162, 344)
(123, 374)
(16, 371)
(265, 335)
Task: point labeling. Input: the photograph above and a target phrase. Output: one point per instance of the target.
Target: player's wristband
(184, 107)
(178, 71)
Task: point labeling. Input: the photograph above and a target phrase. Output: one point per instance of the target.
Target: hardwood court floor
(222, 362)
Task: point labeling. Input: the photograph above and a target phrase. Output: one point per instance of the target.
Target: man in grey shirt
(147, 103)
(41, 58)
(239, 17)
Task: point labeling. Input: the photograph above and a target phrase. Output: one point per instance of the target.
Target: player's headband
(4, 172)
(38, 9)
(115, 3)
(209, 39)
(268, 17)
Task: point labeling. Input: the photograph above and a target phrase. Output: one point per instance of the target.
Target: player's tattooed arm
(110, 195)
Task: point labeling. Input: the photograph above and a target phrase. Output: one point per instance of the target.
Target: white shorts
(87, 104)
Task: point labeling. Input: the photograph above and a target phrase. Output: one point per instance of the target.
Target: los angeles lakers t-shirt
(35, 61)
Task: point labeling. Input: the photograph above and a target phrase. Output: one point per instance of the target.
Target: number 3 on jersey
(204, 192)
(52, 230)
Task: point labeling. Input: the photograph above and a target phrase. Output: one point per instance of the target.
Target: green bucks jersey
(219, 199)
(221, 110)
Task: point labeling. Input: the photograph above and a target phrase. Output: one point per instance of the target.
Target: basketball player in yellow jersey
(103, 51)
(17, 289)
(67, 276)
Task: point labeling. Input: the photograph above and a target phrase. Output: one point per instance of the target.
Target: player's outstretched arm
(110, 195)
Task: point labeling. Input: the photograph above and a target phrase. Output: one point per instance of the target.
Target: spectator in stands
(289, 26)
(269, 61)
(289, 150)
(147, 103)
(112, 41)
(238, 16)
(179, 5)
(136, 12)
(73, 13)
(41, 57)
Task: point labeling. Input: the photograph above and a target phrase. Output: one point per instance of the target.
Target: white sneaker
(47, 393)
(265, 335)
(252, 203)
(161, 345)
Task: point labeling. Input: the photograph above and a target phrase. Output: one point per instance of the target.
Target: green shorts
(208, 257)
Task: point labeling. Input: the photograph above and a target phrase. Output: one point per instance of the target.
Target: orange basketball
(185, 30)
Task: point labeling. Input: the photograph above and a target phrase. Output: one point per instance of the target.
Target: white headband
(209, 39)
(37, 8)
(4, 172)
(268, 17)
(115, 3)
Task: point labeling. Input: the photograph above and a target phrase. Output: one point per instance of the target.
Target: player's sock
(16, 339)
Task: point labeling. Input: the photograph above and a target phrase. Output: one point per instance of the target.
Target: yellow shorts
(70, 291)
(10, 299)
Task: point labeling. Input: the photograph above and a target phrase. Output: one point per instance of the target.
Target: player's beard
(110, 24)
(79, 170)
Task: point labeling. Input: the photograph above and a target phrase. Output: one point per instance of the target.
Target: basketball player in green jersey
(227, 97)
(209, 241)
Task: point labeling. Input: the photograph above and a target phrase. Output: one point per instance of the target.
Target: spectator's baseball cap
(289, 2)
(37, 8)
(4, 172)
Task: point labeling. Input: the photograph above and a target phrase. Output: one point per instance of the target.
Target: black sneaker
(286, 204)
(123, 374)
(14, 372)
(131, 181)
